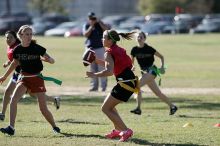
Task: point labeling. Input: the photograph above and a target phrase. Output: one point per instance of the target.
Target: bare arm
(87, 32)
(108, 71)
(162, 61)
(132, 60)
(11, 68)
(161, 58)
(48, 59)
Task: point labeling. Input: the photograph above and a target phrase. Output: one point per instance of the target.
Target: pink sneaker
(114, 134)
(126, 135)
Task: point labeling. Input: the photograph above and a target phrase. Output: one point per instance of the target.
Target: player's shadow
(198, 117)
(133, 140)
(72, 121)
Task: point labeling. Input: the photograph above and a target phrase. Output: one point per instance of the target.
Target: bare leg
(108, 108)
(54, 99)
(153, 86)
(142, 81)
(18, 93)
(44, 110)
(7, 95)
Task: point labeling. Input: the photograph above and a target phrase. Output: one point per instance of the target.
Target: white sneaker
(57, 102)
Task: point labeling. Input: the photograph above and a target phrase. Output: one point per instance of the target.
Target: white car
(60, 29)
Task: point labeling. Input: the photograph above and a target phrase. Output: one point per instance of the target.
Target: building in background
(78, 8)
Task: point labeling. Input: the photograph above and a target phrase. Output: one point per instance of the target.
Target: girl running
(28, 55)
(116, 62)
(145, 58)
(12, 41)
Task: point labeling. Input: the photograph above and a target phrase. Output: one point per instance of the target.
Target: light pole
(8, 7)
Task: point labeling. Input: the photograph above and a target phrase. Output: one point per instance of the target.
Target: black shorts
(121, 93)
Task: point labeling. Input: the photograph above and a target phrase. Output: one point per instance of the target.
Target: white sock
(11, 127)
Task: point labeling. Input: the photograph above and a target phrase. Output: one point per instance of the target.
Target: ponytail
(115, 37)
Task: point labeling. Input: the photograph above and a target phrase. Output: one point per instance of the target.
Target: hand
(5, 65)
(90, 74)
(92, 23)
(162, 70)
(2, 79)
(48, 59)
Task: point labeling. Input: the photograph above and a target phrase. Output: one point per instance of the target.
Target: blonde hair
(22, 29)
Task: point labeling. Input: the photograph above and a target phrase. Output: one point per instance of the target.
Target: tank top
(121, 59)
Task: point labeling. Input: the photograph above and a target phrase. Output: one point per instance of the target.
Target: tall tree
(216, 6)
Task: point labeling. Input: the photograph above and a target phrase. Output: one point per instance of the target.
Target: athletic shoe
(173, 110)
(2, 117)
(56, 129)
(136, 111)
(125, 135)
(57, 102)
(8, 130)
(114, 134)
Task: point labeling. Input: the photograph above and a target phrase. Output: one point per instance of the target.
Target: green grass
(83, 123)
(192, 60)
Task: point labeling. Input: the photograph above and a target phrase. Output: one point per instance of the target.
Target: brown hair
(115, 36)
(141, 32)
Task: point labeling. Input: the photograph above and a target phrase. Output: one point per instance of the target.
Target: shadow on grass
(145, 142)
(197, 117)
(72, 121)
(82, 135)
(134, 140)
(188, 103)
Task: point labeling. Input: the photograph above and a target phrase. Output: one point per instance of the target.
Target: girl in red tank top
(121, 59)
(116, 62)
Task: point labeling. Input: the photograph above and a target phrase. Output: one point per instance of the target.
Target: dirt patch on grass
(169, 91)
(84, 91)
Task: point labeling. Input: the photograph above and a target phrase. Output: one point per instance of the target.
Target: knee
(104, 109)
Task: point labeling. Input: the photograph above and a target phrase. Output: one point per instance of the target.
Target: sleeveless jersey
(121, 59)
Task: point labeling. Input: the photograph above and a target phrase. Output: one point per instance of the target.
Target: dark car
(154, 27)
(13, 21)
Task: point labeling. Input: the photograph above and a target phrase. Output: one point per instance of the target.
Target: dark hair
(115, 36)
(143, 34)
(13, 33)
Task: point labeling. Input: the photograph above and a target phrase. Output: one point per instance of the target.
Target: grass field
(193, 62)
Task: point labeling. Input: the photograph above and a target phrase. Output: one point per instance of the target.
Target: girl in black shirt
(28, 55)
(145, 58)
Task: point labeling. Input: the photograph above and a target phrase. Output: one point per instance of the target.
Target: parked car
(76, 31)
(212, 25)
(114, 20)
(40, 27)
(154, 27)
(13, 21)
(60, 29)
